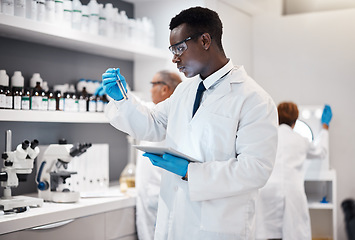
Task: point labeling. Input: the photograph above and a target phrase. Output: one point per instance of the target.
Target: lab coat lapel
(221, 90)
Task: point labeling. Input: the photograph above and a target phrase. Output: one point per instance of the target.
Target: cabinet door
(91, 227)
(121, 224)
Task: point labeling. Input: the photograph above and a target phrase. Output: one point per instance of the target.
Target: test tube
(120, 85)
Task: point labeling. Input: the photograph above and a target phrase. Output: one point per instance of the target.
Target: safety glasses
(179, 48)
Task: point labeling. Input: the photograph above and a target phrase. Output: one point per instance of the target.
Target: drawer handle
(53, 225)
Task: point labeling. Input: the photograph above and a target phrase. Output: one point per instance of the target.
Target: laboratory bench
(103, 216)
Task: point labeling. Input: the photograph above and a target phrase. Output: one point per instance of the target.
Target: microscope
(53, 176)
(17, 165)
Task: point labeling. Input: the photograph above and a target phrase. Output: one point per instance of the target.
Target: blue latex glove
(327, 115)
(100, 90)
(109, 84)
(169, 162)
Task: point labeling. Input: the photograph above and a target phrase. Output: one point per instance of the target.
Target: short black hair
(200, 20)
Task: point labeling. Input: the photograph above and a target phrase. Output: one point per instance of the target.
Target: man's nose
(176, 58)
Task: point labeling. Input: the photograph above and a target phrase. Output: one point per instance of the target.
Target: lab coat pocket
(220, 134)
(228, 216)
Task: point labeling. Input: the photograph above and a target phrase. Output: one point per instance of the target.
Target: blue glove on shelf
(169, 162)
(109, 83)
(327, 115)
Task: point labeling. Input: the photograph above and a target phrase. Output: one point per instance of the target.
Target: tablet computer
(162, 150)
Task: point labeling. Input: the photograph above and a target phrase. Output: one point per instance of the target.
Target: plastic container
(50, 11)
(4, 78)
(20, 8)
(102, 20)
(17, 79)
(94, 17)
(110, 27)
(58, 11)
(8, 7)
(85, 19)
(31, 9)
(36, 77)
(67, 14)
(41, 10)
(76, 15)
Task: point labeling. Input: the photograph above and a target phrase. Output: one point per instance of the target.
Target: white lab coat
(234, 136)
(148, 178)
(282, 209)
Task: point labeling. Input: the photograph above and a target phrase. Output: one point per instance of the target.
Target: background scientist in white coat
(148, 176)
(282, 209)
(232, 135)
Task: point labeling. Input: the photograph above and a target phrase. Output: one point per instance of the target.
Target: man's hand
(169, 162)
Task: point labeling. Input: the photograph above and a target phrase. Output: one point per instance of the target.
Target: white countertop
(56, 212)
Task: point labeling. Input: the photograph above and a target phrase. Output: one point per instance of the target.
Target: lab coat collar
(210, 80)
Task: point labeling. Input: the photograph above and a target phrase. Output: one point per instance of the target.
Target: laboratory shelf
(320, 175)
(53, 35)
(314, 202)
(52, 116)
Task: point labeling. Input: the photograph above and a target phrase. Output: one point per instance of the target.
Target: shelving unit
(317, 185)
(52, 116)
(53, 35)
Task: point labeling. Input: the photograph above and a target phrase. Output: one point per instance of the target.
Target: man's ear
(206, 40)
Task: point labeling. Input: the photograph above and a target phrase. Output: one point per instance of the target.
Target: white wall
(309, 59)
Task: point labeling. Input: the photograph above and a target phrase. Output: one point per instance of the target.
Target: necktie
(201, 88)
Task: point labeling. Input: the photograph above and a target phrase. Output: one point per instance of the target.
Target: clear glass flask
(128, 175)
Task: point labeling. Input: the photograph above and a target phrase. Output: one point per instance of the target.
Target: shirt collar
(210, 80)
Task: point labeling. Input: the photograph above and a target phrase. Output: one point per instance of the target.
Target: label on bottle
(92, 106)
(17, 102)
(44, 104)
(8, 102)
(52, 104)
(61, 104)
(82, 105)
(2, 100)
(36, 102)
(25, 103)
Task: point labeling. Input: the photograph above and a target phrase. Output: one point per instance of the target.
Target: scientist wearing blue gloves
(221, 117)
(282, 209)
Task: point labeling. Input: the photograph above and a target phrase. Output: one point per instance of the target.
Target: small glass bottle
(2, 97)
(8, 98)
(44, 105)
(36, 98)
(52, 101)
(25, 100)
(92, 103)
(83, 99)
(59, 101)
(99, 104)
(75, 107)
(68, 102)
(17, 97)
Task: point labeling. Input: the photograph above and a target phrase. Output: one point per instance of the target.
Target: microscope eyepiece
(80, 149)
(34, 143)
(25, 144)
